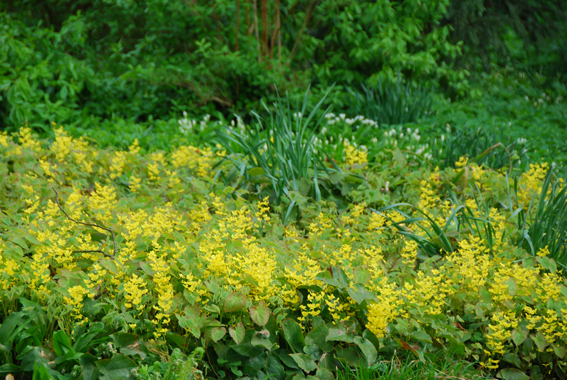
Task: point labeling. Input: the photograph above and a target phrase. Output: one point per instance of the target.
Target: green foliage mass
(85, 61)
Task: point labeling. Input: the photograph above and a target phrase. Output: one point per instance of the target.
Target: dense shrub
(117, 257)
(84, 60)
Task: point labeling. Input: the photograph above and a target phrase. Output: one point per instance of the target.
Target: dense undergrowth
(200, 216)
(132, 264)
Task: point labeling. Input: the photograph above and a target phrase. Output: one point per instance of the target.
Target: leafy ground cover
(197, 262)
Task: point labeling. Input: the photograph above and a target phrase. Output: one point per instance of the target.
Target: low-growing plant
(543, 222)
(285, 152)
(485, 147)
(198, 263)
(391, 102)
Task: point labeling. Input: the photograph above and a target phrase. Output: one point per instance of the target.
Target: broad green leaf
(349, 355)
(313, 351)
(256, 171)
(519, 335)
(234, 302)
(260, 313)
(39, 355)
(293, 335)
(190, 322)
(237, 333)
(90, 371)
(559, 351)
(359, 293)
(261, 340)
(61, 343)
(8, 326)
(512, 374)
(421, 336)
(9, 368)
(217, 333)
(212, 286)
(304, 362)
(367, 349)
(339, 334)
(361, 275)
(318, 337)
(539, 340)
(324, 374)
(119, 367)
(275, 367)
(283, 354)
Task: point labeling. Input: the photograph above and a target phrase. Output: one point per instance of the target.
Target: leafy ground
(261, 256)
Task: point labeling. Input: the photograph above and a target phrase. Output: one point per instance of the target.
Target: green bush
(82, 62)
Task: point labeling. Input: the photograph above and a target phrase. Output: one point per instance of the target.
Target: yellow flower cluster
(355, 155)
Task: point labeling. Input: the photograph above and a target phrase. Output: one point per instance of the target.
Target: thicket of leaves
(82, 61)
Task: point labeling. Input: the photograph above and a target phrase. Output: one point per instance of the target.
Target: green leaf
(61, 343)
(9, 368)
(217, 333)
(261, 340)
(256, 171)
(90, 371)
(421, 336)
(275, 367)
(283, 354)
(539, 340)
(237, 333)
(293, 335)
(260, 313)
(361, 275)
(191, 322)
(547, 263)
(512, 287)
(245, 348)
(313, 351)
(39, 355)
(318, 337)
(324, 374)
(304, 362)
(519, 335)
(359, 293)
(512, 374)
(336, 177)
(8, 326)
(117, 368)
(328, 279)
(367, 349)
(234, 302)
(212, 286)
(338, 334)
(349, 355)
(400, 158)
(559, 351)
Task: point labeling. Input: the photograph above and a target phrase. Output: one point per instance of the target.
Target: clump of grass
(391, 103)
(411, 370)
(283, 151)
(485, 147)
(543, 225)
